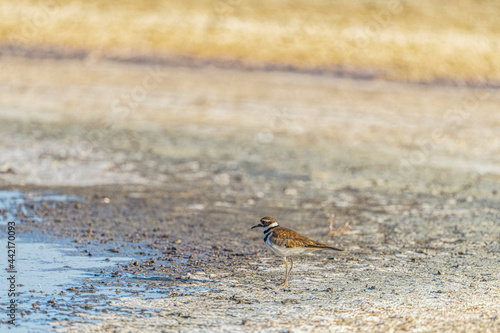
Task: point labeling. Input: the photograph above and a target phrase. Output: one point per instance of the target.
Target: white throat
(272, 225)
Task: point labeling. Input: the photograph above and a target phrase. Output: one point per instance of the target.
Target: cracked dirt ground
(187, 167)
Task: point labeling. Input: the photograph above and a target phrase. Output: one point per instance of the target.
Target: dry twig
(340, 231)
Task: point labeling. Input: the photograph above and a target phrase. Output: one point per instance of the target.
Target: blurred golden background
(397, 40)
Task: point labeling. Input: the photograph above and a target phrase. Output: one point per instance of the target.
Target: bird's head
(266, 222)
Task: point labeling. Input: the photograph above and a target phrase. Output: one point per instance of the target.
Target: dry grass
(415, 40)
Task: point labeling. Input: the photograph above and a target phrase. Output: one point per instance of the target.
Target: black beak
(255, 226)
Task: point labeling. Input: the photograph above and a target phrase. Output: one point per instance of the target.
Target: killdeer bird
(286, 242)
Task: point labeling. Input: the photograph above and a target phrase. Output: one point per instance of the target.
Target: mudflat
(174, 164)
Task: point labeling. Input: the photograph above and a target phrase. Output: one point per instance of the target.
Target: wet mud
(144, 223)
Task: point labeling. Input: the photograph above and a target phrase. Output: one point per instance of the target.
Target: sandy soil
(186, 160)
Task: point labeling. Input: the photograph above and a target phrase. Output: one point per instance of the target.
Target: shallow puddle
(44, 274)
(9, 203)
(58, 280)
(53, 276)
(13, 203)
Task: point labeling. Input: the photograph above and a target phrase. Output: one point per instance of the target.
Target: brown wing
(288, 238)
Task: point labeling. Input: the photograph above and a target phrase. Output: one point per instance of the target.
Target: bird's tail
(320, 246)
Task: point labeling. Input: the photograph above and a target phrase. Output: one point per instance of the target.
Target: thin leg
(288, 273)
(285, 284)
